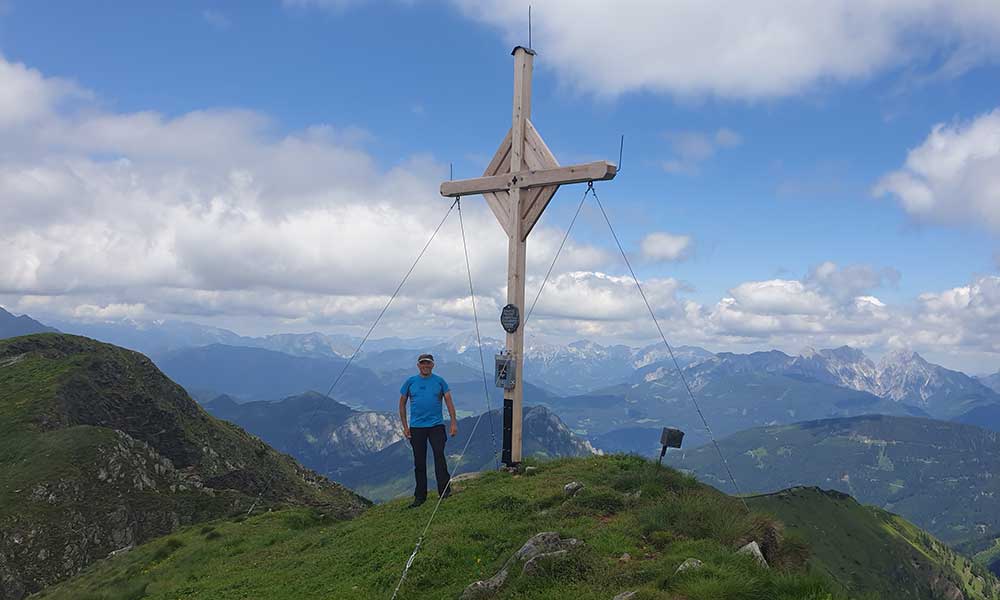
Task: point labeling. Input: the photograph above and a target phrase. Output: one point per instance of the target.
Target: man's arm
(402, 416)
(451, 412)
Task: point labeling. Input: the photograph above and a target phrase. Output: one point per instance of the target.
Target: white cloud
(953, 176)
(743, 49)
(691, 148)
(851, 281)
(215, 213)
(27, 96)
(661, 246)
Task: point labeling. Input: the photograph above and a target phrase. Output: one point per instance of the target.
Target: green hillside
(99, 451)
(938, 474)
(865, 548)
(658, 517)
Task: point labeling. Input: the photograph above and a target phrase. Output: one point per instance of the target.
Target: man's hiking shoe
(416, 502)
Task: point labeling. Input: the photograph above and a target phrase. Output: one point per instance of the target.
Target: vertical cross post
(517, 185)
(516, 250)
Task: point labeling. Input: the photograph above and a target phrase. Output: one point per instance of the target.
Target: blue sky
(768, 166)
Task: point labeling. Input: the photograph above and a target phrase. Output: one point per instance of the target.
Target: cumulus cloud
(962, 317)
(661, 246)
(953, 176)
(851, 281)
(743, 50)
(215, 212)
(691, 148)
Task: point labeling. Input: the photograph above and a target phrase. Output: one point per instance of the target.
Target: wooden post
(516, 250)
(518, 184)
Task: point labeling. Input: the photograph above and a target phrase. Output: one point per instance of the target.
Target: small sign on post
(670, 437)
(505, 371)
(510, 318)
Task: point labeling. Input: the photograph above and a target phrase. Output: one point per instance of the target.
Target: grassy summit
(301, 554)
(99, 451)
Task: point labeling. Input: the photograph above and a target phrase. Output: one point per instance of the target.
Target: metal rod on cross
(517, 185)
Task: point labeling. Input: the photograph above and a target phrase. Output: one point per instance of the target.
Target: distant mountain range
(619, 397)
(319, 432)
(940, 475)
(258, 374)
(11, 326)
(389, 473)
(991, 381)
(366, 451)
(902, 377)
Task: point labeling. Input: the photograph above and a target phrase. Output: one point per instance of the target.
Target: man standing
(425, 392)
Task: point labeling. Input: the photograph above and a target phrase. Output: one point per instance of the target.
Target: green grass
(302, 554)
(868, 550)
(85, 431)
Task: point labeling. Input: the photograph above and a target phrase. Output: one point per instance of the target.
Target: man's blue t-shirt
(425, 395)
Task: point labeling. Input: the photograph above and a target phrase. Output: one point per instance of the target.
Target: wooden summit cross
(518, 184)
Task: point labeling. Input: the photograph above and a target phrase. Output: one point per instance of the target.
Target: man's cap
(426, 358)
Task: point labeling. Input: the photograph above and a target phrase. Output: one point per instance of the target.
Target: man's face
(425, 368)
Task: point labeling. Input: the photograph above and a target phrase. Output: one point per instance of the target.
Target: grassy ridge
(100, 451)
(301, 554)
(868, 550)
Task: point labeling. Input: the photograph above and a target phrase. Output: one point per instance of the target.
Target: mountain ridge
(100, 451)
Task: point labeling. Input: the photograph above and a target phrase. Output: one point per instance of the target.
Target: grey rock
(530, 470)
(541, 546)
(753, 549)
(535, 565)
(624, 596)
(487, 587)
(689, 564)
(572, 488)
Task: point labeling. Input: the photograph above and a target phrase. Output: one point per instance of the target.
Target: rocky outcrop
(123, 456)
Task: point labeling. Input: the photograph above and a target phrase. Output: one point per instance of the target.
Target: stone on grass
(530, 470)
(624, 596)
(753, 549)
(486, 588)
(546, 545)
(625, 557)
(689, 565)
(572, 488)
(536, 564)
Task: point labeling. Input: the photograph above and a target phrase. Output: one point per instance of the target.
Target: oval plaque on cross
(510, 318)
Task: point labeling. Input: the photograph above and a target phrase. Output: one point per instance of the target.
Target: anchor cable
(393, 297)
(461, 457)
(680, 372)
(479, 339)
(558, 251)
(367, 335)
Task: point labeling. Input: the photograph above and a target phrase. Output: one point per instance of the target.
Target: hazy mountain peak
(904, 357)
(846, 353)
(13, 326)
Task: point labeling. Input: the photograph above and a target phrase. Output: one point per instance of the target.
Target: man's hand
(406, 432)
(454, 429)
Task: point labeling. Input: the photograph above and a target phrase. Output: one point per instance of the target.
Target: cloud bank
(750, 50)
(953, 176)
(216, 214)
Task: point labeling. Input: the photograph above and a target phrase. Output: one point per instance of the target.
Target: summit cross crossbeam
(518, 184)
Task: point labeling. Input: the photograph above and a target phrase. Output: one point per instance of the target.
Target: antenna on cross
(518, 184)
(529, 26)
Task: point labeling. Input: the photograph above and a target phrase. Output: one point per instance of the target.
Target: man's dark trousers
(419, 436)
